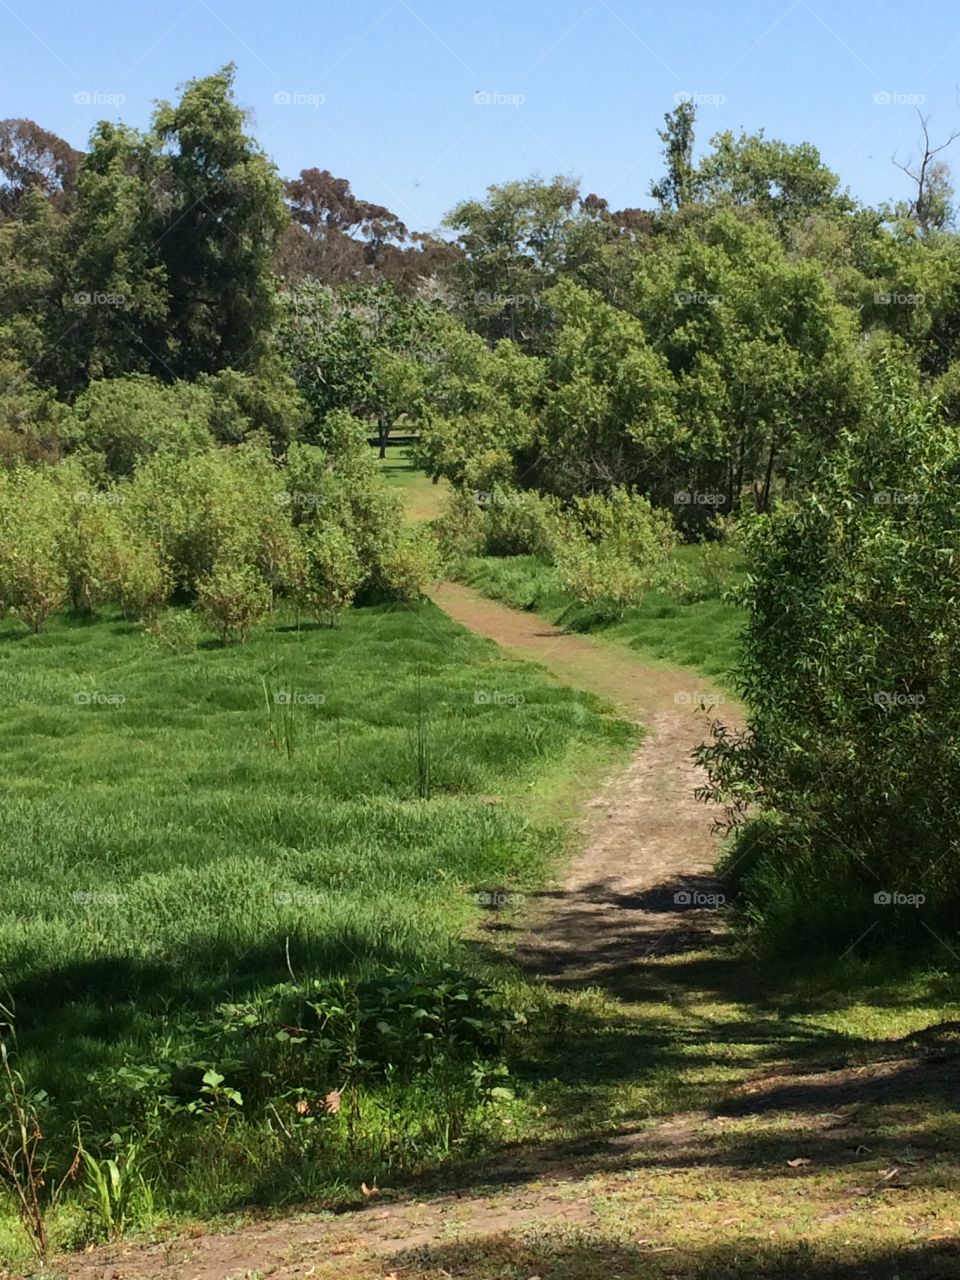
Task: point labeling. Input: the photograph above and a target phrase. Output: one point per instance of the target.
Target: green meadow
(188, 836)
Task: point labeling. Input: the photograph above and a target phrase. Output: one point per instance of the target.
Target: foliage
(123, 420)
(232, 597)
(33, 578)
(611, 550)
(328, 574)
(850, 758)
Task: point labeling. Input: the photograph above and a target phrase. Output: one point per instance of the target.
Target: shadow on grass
(585, 1256)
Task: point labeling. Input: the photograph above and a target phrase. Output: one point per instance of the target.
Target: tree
(34, 159)
(763, 358)
(116, 307)
(516, 244)
(783, 183)
(356, 349)
(931, 207)
(221, 217)
(608, 400)
(679, 184)
(476, 413)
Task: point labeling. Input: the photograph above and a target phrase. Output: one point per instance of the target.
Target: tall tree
(221, 216)
(678, 185)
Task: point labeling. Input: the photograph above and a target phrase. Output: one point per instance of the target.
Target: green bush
(611, 550)
(233, 598)
(34, 581)
(328, 574)
(175, 630)
(851, 760)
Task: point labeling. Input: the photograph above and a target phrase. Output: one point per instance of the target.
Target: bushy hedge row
(231, 529)
(610, 550)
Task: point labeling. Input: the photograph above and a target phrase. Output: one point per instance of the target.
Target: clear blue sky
(579, 87)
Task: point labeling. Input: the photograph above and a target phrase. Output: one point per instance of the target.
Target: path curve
(647, 846)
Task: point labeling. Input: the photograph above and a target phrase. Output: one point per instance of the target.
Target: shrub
(233, 598)
(408, 566)
(140, 579)
(90, 540)
(126, 419)
(460, 529)
(851, 760)
(33, 579)
(175, 630)
(329, 573)
(611, 550)
(520, 522)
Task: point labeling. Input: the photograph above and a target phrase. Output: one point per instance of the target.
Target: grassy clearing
(423, 500)
(185, 836)
(699, 630)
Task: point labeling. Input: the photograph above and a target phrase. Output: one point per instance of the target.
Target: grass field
(421, 497)
(699, 632)
(270, 863)
(185, 832)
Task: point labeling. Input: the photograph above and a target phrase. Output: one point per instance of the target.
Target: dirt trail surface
(647, 845)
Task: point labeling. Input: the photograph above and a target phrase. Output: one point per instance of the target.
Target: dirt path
(647, 845)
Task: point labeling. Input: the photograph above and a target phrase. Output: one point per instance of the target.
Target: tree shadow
(587, 1256)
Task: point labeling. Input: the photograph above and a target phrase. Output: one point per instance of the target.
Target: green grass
(422, 498)
(699, 629)
(193, 843)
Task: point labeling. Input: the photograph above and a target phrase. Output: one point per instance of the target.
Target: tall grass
(185, 834)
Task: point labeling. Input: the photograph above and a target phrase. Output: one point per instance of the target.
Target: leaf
(212, 1078)
(331, 1101)
(369, 1191)
(799, 1162)
(303, 1107)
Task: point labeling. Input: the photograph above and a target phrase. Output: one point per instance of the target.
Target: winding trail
(647, 845)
